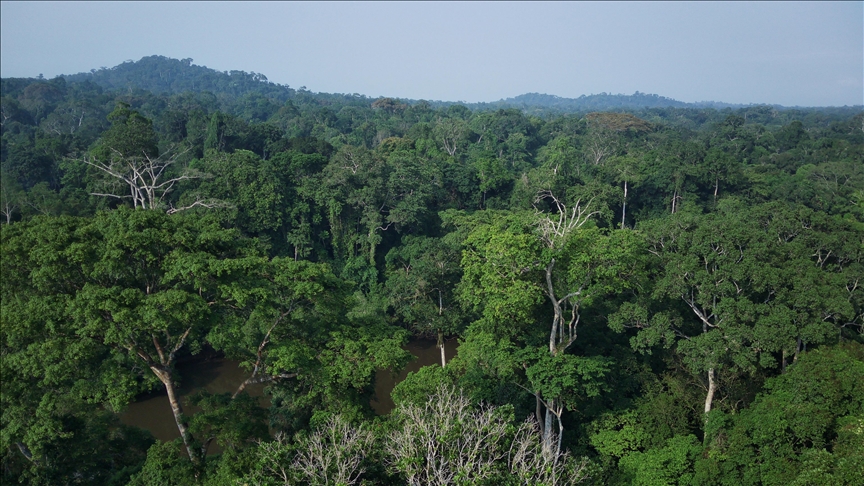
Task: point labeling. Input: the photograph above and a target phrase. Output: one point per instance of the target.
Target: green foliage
(165, 466)
(568, 378)
(89, 446)
(418, 387)
(804, 427)
(500, 274)
(254, 188)
(233, 422)
(657, 426)
(131, 134)
(670, 465)
(328, 228)
(421, 276)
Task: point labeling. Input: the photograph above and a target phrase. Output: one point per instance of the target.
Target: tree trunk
(372, 247)
(712, 387)
(556, 307)
(440, 332)
(26, 452)
(560, 435)
(441, 347)
(164, 376)
(547, 431)
(538, 410)
(624, 208)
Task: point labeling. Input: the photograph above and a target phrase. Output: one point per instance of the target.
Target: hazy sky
(799, 53)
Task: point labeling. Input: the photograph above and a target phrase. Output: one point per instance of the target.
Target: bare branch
(200, 202)
(333, 454)
(555, 229)
(147, 178)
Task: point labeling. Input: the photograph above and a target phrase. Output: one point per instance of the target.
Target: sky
(787, 53)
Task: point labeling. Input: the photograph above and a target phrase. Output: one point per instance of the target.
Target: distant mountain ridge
(160, 74)
(636, 100)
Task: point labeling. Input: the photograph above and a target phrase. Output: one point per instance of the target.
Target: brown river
(220, 375)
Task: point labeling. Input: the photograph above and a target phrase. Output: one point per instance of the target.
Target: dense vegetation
(642, 293)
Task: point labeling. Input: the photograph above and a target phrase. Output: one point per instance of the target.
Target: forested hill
(646, 296)
(163, 75)
(159, 74)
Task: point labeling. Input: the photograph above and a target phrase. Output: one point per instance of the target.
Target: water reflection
(215, 376)
(220, 375)
(427, 353)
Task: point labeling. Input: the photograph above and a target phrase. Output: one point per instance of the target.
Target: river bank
(217, 374)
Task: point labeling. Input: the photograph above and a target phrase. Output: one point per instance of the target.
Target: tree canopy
(642, 291)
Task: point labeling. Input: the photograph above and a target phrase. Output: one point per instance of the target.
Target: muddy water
(224, 376)
(216, 376)
(427, 353)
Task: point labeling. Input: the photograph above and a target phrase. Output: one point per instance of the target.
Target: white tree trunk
(548, 451)
(624, 208)
(712, 387)
(441, 347)
(164, 376)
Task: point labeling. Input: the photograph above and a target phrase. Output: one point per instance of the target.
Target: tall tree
(128, 159)
(510, 267)
(709, 266)
(139, 287)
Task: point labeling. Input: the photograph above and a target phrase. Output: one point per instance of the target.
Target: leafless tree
(148, 179)
(526, 462)
(333, 454)
(450, 131)
(275, 458)
(11, 197)
(599, 146)
(555, 227)
(64, 120)
(448, 441)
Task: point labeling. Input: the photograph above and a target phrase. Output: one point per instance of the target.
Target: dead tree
(149, 180)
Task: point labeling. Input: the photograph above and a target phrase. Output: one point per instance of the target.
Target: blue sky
(797, 53)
